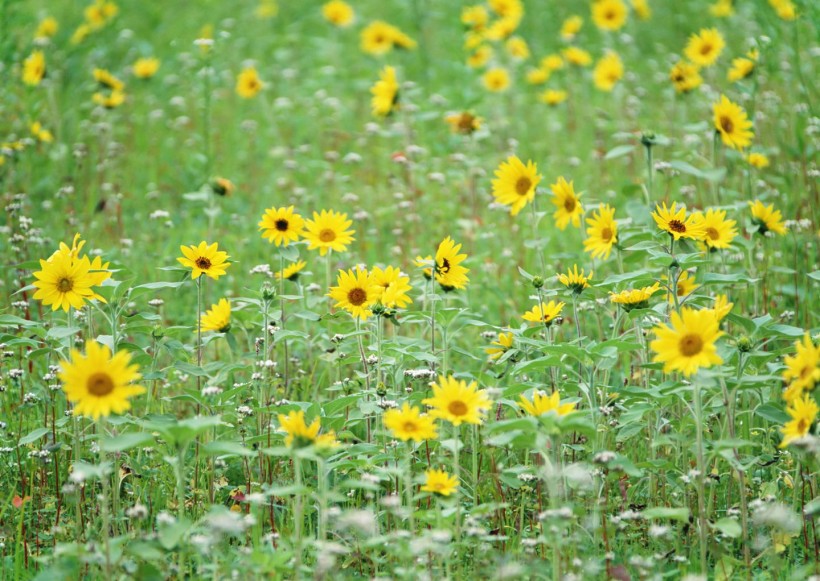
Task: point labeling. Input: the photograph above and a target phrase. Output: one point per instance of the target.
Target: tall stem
(700, 478)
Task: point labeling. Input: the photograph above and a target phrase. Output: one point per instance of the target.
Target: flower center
(713, 233)
(606, 234)
(677, 226)
(465, 123)
(327, 235)
(203, 263)
(705, 48)
(522, 186)
(569, 204)
(457, 408)
(726, 124)
(445, 266)
(357, 296)
(99, 384)
(609, 15)
(65, 285)
(690, 345)
(802, 426)
(410, 427)
(281, 225)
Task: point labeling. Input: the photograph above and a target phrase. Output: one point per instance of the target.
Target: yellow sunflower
(686, 286)
(299, 434)
(292, 271)
(553, 97)
(439, 482)
(757, 160)
(722, 9)
(685, 77)
(766, 218)
(328, 231)
(571, 27)
(674, 221)
(281, 225)
(609, 14)
(577, 56)
(34, 68)
(204, 259)
(475, 17)
(574, 280)
(608, 71)
(705, 47)
(517, 48)
(385, 93)
(552, 62)
(355, 292)
(537, 76)
(642, 9)
(457, 402)
(544, 313)
(66, 281)
(99, 383)
(732, 123)
(567, 202)
(480, 57)
(47, 28)
(222, 187)
(110, 100)
(41, 133)
(803, 412)
(464, 123)
(785, 9)
(392, 287)
(248, 83)
(688, 343)
(634, 298)
(802, 369)
(542, 404)
(500, 346)
(515, 184)
(145, 68)
(408, 423)
(449, 272)
(107, 80)
(721, 307)
(217, 318)
(742, 67)
(338, 13)
(496, 80)
(718, 232)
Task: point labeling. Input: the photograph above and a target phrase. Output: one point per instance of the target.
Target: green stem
(702, 532)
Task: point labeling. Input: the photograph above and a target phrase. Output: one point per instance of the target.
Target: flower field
(503, 289)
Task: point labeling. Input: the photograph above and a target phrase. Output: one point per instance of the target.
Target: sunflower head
(408, 423)
(575, 280)
(282, 226)
(439, 482)
(457, 402)
(204, 259)
(328, 231)
(688, 343)
(217, 318)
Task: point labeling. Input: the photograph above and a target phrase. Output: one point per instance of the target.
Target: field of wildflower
(421, 289)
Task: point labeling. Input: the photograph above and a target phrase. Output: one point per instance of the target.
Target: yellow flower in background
(543, 404)
(721, 308)
(80, 34)
(40, 133)
(567, 202)
(47, 28)
(107, 80)
(688, 343)
(328, 231)
(602, 232)
(802, 371)
(553, 97)
(515, 184)
(577, 56)
(630, 299)
(97, 383)
(145, 68)
(757, 160)
(742, 67)
(501, 345)
(355, 292)
(545, 313)
(267, 9)
(457, 402)
(34, 68)
(480, 57)
(718, 232)
(292, 271)
(448, 270)
(674, 221)
(222, 186)
(685, 77)
(281, 226)
(299, 434)
(217, 318)
(408, 423)
(496, 80)
(66, 281)
(766, 218)
(552, 62)
(338, 13)
(537, 76)
(517, 48)
(464, 123)
(385, 93)
(110, 100)
(722, 9)
(575, 280)
(571, 27)
(642, 9)
(705, 47)
(686, 286)
(507, 8)
(248, 83)
(392, 287)
(609, 14)
(785, 9)
(204, 259)
(475, 17)
(379, 38)
(608, 71)
(439, 482)
(424, 264)
(803, 413)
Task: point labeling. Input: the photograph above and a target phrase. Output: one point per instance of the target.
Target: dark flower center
(203, 263)
(705, 48)
(690, 345)
(410, 427)
(726, 124)
(569, 204)
(65, 285)
(712, 233)
(100, 384)
(444, 268)
(327, 235)
(457, 408)
(677, 226)
(357, 296)
(281, 225)
(522, 186)
(606, 234)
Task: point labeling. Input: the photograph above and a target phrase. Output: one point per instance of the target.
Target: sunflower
(574, 280)
(501, 345)
(803, 412)
(108, 81)
(204, 259)
(552, 62)
(517, 48)
(705, 47)
(281, 226)
(222, 187)
(515, 184)
(110, 100)
(98, 383)
(292, 271)
(34, 68)
(571, 27)
(802, 368)
(553, 97)
(355, 292)
(602, 232)
(338, 13)
(47, 28)
(685, 287)
(299, 434)
(545, 313)
(674, 221)
(641, 8)
(65, 281)
(721, 308)
(392, 287)
(439, 482)
(457, 402)
(630, 299)
(98, 272)
(464, 123)
(609, 14)
(766, 218)
(145, 68)
(757, 160)
(507, 8)
(217, 318)
(480, 56)
(409, 423)
(722, 9)
(248, 83)
(689, 343)
(718, 232)
(40, 133)
(732, 123)
(577, 56)
(542, 404)
(424, 264)
(785, 9)
(568, 204)
(496, 80)
(378, 38)
(502, 28)
(742, 67)
(449, 272)
(685, 77)
(385, 93)
(608, 71)
(537, 76)
(328, 231)
(475, 17)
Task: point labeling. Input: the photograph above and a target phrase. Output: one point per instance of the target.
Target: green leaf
(126, 441)
(729, 527)
(32, 436)
(227, 449)
(772, 412)
(619, 151)
(680, 514)
(12, 321)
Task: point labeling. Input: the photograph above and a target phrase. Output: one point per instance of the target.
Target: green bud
(268, 291)
(537, 282)
(744, 344)
(648, 138)
(381, 389)
(157, 332)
